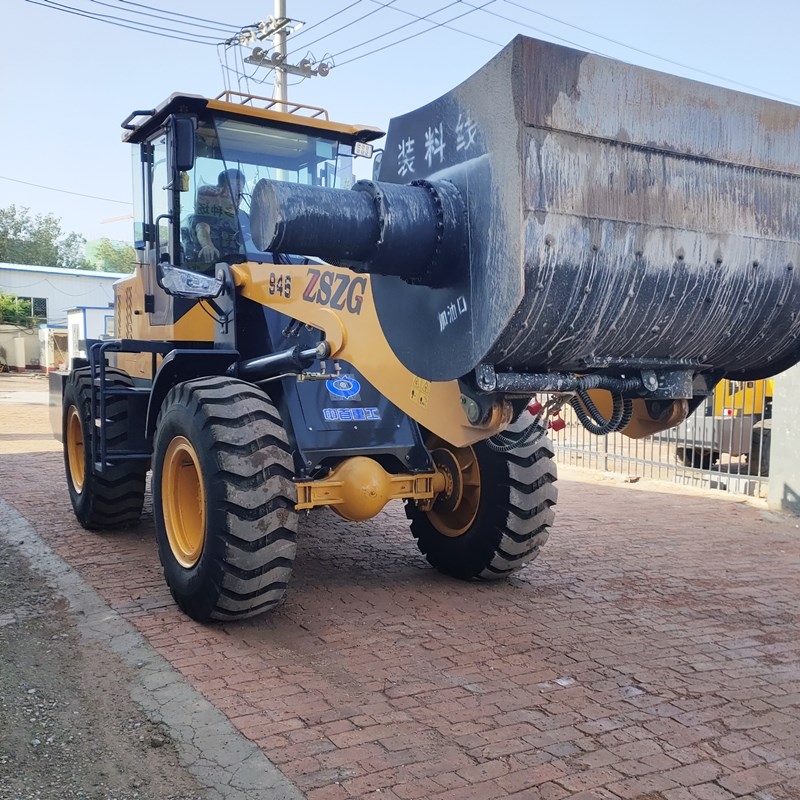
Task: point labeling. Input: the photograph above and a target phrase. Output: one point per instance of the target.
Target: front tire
(494, 517)
(111, 499)
(223, 499)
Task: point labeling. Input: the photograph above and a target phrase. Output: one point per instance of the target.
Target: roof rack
(229, 96)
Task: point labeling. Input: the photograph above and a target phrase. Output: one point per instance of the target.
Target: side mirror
(376, 165)
(181, 138)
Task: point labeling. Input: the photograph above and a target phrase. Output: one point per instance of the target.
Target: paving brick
(637, 788)
(693, 774)
(589, 796)
(484, 771)
(334, 792)
(649, 654)
(597, 758)
(588, 779)
(749, 780)
(553, 791)
(412, 790)
(476, 791)
(710, 791)
(450, 780)
(676, 794)
(740, 760)
(370, 782)
(506, 747)
(534, 776)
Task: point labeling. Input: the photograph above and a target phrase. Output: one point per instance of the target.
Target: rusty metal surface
(619, 217)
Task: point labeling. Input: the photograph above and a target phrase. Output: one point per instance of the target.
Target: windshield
(231, 157)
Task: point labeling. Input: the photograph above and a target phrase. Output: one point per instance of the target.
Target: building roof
(80, 273)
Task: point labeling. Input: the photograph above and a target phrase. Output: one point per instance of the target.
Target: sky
(67, 79)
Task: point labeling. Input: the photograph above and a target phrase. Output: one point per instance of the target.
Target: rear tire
(111, 499)
(695, 457)
(498, 520)
(758, 459)
(223, 499)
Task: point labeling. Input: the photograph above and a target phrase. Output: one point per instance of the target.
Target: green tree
(38, 239)
(111, 256)
(13, 310)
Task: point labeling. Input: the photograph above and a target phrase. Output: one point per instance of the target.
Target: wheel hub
(455, 509)
(75, 453)
(447, 465)
(184, 502)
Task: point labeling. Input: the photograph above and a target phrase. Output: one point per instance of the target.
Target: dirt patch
(68, 728)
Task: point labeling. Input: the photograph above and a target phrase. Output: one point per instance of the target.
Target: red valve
(535, 407)
(557, 424)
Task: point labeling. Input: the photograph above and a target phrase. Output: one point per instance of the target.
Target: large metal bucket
(618, 219)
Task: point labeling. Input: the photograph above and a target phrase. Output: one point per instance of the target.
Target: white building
(85, 297)
(53, 291)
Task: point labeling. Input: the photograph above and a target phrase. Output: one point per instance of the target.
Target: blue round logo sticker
(343, 387)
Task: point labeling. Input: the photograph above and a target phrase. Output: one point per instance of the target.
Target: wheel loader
(559, 228)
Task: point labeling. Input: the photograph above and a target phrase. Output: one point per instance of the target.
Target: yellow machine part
(133, 322)
(642, 424)
(742, 398)
(353, 331)
(358, 488)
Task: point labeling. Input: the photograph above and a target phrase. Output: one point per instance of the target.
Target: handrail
(270, 103)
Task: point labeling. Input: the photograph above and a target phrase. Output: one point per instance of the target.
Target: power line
(350, 24)
(445, 25)
(628, 47)
(533, 28)
(415, 35)
(199, 22)
(311, 27)
(109, 21)
(66, 191)
(224, 25)
(399, 27)
(221, 28)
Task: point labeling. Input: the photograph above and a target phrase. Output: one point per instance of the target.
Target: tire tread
(255, 522)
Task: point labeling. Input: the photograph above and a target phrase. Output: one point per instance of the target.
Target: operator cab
(196, 162)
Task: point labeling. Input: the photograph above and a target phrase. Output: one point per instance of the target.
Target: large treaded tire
(112, 499)
(223, 499)
(695, 457)
(514, 510)
(760, 447)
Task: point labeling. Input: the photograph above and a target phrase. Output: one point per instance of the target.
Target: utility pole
(279, 47)
(277, 27)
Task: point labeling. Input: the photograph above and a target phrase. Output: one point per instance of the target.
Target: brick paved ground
(652, 652)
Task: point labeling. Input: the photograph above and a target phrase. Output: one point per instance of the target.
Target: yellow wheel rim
(183, 499)
(463, 507)
(75, 454)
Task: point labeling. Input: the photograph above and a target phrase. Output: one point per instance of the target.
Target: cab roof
(139, 125)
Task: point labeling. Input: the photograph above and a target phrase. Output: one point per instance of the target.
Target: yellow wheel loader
(560, 228)
(736, 421)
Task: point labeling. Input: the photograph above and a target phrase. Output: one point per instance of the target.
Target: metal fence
(724, 445)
